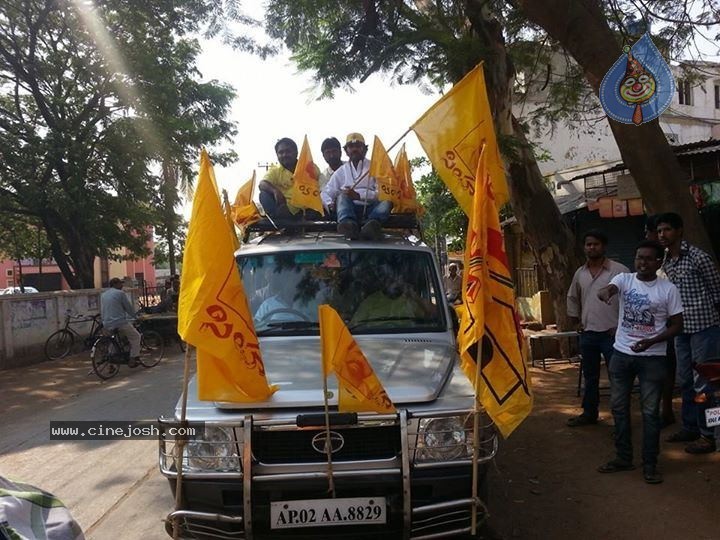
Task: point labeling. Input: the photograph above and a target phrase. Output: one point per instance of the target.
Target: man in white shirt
(352, 192)
(453, 285)
(650, 313)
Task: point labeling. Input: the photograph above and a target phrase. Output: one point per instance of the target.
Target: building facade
(694, 115)
(47, 276)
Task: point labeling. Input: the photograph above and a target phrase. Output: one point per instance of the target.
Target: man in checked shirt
(697, 278)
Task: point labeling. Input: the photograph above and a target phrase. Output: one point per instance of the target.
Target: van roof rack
(266, 225)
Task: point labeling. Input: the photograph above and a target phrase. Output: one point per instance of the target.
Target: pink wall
(144, 266)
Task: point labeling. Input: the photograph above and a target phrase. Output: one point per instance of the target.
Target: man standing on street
(650, 313)
(694, 274)
(117, 312)
(453, 285)
(595, 320)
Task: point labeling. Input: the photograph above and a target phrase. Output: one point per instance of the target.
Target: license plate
(712, 416)
(325, 512)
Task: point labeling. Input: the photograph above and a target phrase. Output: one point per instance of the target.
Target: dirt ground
(544, 484)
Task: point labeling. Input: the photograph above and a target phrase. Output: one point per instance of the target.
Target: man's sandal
(616, 465)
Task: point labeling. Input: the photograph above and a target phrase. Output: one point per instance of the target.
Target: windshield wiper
(286, 325)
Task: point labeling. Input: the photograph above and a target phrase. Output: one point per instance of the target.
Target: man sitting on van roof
(276, 186)
(352, 192)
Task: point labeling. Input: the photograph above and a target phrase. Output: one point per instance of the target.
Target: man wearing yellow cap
(352, 192)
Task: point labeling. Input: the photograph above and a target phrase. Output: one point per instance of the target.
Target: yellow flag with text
(381, 168)
(359, 388)
(213, 313)
(489, 320)
(306, 188)
(403, 172)
(244, 210)
(453, 131)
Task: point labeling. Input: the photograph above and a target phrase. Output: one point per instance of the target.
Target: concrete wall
(28, 320)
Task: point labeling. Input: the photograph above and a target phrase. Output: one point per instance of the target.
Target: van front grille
(296, 446)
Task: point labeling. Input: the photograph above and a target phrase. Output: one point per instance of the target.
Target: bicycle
(112, 350)
(60, 343)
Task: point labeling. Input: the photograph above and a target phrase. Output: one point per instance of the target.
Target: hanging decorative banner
(639, 86)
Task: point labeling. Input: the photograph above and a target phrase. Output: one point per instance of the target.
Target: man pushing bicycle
(117, 314)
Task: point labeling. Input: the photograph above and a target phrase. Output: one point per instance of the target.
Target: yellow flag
(305, 191)
(359, 388)
(452, 132)
(213, 313)
(229, 217)
(403, 171)
(244, 210)
(381, 168)
(489, 319)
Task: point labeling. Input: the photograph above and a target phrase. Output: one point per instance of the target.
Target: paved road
(112, 488)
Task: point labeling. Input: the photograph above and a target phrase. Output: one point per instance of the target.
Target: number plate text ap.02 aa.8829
(328, 512)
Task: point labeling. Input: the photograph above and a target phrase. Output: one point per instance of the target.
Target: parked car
(18, 290)
(260, 470)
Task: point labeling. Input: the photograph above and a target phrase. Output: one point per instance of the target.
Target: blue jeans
(695, 348)
(347, 210)
(592, 345)
(651, 372)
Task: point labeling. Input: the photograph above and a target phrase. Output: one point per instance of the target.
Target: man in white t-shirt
(650, 314)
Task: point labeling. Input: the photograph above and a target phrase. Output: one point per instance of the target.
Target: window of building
(684, 93)
(717, 96)
(10, 283)
(8, 272)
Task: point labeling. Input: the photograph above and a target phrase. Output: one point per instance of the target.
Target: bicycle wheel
(59, 344)
(152, 347)
(101, 358)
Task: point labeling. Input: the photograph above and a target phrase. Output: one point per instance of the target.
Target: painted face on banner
(637, 88)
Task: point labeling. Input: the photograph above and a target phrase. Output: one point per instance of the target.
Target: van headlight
(444, 439)
(216, 451)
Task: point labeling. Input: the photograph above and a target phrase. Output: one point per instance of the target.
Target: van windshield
(374, 291)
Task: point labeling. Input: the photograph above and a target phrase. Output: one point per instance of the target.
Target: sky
(275, 100)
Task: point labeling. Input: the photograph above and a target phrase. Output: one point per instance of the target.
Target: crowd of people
(654, 325)
(349, 194)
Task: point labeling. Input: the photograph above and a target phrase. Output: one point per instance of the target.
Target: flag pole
(328, 446)
(478, 372)
(180, 443)
(476, 439)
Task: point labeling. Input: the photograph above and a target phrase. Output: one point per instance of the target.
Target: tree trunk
(170, 238)
(550, 240)
(169, 200)
(20, 276)
(581, 28)
(78, 267)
